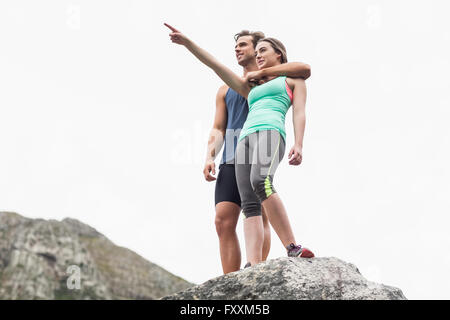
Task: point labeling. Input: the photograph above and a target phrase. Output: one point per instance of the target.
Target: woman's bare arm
(298, 119)
(229, 77)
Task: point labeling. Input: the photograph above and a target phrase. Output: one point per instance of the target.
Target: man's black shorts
(226, 185)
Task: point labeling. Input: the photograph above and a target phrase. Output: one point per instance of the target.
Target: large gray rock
(292, 279)
(37, 259)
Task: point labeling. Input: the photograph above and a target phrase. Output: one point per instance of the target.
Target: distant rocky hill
(292, 279)
(49, 259)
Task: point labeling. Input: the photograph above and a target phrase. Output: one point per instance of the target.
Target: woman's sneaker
(299, 251)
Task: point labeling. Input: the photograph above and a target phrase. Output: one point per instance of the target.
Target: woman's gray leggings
(256, 160)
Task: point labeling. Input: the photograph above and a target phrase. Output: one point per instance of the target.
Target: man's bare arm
(217, 134)
(290, 69)
(227, 75)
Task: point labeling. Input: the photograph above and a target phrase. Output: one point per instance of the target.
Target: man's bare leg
(227, 215)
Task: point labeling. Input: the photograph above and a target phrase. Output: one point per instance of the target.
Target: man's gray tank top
(237, 109)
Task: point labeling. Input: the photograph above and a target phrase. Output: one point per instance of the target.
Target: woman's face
(266, 56)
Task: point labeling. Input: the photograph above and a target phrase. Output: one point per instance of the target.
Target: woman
(261, 143)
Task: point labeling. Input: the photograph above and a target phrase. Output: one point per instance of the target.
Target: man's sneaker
(299, 251)
(247, 265)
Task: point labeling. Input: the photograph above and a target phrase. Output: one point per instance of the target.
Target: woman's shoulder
(293, 81)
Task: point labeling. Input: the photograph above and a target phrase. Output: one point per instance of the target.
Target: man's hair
(278, 47)
(256, 36)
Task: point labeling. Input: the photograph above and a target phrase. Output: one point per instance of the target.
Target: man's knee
(226, 220)
(264, 217)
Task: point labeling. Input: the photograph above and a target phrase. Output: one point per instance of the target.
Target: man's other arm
(217, 134)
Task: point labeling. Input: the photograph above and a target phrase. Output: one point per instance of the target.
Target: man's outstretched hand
(176, 36)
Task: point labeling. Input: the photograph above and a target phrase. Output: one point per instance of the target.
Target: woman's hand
(296, 154)
(254, 78)
(176, 36)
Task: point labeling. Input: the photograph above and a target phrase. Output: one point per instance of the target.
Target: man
(231, 113)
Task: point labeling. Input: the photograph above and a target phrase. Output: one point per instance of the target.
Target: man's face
(245, 52)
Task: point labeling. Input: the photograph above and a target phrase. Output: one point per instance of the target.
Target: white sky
(104, 120)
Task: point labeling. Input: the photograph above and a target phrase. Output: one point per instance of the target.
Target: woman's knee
(251, 208)
(263, 187)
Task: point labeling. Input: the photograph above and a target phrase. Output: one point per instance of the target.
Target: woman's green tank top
(268, 104)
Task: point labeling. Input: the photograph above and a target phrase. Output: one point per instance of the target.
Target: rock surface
(292, 279)
(68, 259)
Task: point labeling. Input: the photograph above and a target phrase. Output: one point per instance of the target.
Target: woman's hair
(256, 36)
(278, 47)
